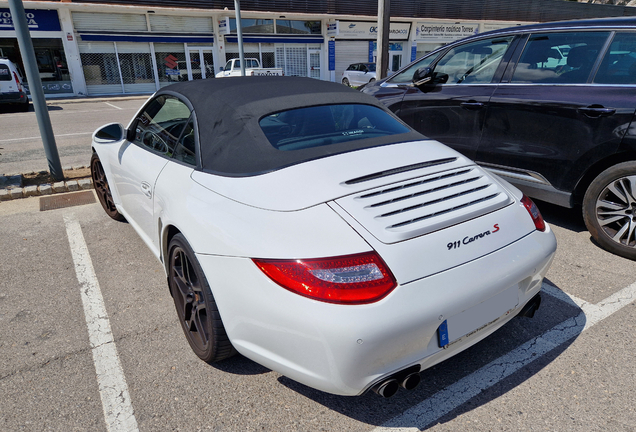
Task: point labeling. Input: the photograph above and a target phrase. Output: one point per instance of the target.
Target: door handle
(472, 106)
(597, 111)
(146, 188)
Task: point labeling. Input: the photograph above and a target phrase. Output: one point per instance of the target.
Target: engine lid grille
(415, 207)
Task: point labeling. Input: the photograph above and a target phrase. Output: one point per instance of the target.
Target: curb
(14, 189)
(84, 99)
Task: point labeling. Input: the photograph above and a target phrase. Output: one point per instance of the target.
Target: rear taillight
(17, 81)
(535, 214)
(350, 279)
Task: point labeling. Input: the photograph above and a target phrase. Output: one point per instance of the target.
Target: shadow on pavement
(568, 218)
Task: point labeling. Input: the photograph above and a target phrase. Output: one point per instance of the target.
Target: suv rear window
(619, 64)
(5, 73)
(318, 126)
(565, 58)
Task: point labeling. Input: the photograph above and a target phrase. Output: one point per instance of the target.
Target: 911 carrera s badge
(471, 239)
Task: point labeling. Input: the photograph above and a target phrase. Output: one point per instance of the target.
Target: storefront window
(102, 63)
(264, 52)
(297, 27)
(253, 25)
(51, 60)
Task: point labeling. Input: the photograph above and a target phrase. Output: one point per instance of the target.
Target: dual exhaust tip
(407, 379)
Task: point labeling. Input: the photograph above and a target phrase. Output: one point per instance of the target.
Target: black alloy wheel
(103, 190)
(196, 308)
(609, 209)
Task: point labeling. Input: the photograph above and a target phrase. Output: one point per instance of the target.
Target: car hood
(322, 180)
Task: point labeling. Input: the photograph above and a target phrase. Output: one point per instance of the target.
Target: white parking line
(114, 106)
(39, 137)
(113, 390)
(453, 396)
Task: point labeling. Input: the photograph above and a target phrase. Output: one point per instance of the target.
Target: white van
(12, 90)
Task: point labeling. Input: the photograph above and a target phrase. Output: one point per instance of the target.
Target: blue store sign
(37, 19)
(332, 55)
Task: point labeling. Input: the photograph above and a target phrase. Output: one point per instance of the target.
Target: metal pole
(384, 26)
(35, 87)
(239, 33)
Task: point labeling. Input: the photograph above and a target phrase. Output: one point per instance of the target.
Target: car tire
(24, 107)
(372, 80)
(100, 183)
(346, 82)
(609, 209)
(197, 311)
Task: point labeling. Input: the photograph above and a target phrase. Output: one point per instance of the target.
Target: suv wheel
(609, 209)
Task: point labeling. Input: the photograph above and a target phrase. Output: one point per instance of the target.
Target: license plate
(442, 334)
(477, 317)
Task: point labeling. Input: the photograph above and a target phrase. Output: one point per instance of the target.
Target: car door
(362, 76)
(156, 129)
(552, 118)
(451, 107)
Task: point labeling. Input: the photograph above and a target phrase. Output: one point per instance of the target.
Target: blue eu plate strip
(442, 334)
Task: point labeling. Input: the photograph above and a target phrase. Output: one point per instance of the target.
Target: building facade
(86, 47)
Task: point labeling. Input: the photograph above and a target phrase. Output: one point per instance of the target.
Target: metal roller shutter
(348, 52)
(90, 21)
(180, 24)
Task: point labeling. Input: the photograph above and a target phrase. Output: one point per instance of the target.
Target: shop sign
(332, 54)
(37, 20)
(369, 30)
(170, 61)
(333, 28)
(435, 31)
(224, 26)
(395, 46)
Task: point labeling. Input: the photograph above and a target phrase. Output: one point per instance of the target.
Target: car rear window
(619, 64)
(325, 125)
(5, 73)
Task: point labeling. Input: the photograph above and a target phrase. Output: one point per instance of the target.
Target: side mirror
(110, 133)
(422, 76)
(221, 69)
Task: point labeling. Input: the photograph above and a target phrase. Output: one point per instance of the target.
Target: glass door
(314, 63)
(200, 64)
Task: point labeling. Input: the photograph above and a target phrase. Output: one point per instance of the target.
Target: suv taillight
(17, 81)
(350, 279)
(535, 214)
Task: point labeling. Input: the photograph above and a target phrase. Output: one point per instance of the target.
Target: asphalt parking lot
(90, 340)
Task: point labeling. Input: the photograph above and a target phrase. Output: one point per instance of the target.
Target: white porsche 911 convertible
(305, 227)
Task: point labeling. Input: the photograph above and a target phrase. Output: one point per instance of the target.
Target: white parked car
(304, 226)
(12, 89)
(358, 74)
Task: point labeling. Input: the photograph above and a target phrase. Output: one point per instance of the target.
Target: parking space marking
(113, 390)
(114, 106)
(39, 137)
(453, 396)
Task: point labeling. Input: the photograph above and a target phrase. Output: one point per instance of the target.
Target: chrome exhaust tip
(386, 388)
(411, 381)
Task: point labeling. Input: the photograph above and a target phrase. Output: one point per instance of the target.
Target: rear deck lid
(400, 211)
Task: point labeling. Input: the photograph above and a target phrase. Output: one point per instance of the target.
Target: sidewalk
(40, 183)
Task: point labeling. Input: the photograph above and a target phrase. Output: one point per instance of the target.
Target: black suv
(549, 107)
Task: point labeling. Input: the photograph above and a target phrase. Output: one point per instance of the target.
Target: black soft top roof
(228, 111)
